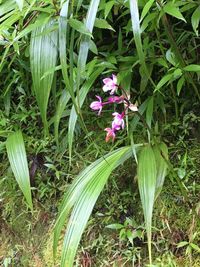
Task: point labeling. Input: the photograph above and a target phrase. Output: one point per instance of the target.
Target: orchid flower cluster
(111, 86)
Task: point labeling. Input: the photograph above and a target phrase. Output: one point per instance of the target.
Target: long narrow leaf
(18, 161)
(147, 185)
(85, 43)
(161, 155)
(43, 56)
(83, 194)
(136, 31)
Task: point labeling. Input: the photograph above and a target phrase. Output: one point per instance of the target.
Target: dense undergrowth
(55, 57)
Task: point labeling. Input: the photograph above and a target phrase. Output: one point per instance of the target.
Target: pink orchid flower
(110, 84)
(97, 105)
(110, 134)
(118, 121)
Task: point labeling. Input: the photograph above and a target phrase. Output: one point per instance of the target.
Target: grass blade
(83, 194)
(43, 56)
(147, 185)
(18, 162)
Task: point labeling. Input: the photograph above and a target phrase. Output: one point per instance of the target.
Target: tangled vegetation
(99, 137)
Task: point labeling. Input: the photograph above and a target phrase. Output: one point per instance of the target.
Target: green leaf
(163, 81)
(182, 244)
(103, 24)
(7, 6)
(195, 20)
(85, 42)
(137, 35)
(18, 162)
(20, 4)
(43, 57)
(192, 67)
(147, 184)
(171, 9)
(108, 7)
(82, 196)
(161, 155)
(146, 8)
(79, 26)
(115, 226)
(180, 83)
(195, 247)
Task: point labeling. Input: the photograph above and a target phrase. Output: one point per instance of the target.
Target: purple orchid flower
(118, 121)
(110, 84)
(97, 105)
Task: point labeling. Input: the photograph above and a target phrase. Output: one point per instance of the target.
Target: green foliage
(54, 55)
(18, 161)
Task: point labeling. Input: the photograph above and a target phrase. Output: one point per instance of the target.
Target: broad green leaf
(79, 26)
(82, 196)
(195, 20)
(43, 57)
(20, 4)
(161, 155)
(7, 6)
(165, 79)
(147, 185)
(171, 9)
(18, 162)
(192, 67)
(108, 7)
(180, 84)
(146, 8)
(103, 24)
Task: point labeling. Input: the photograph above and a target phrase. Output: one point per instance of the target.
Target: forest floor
(115, 234)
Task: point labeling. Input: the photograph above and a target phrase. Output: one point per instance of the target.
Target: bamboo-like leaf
(73, 116)
(43, 56)
(147, 185)
(137, 33)
(18, 162)
(161, 155)
(195, 20)
(83, 194)
(7, 6)
(85, 42)
(63, 42)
